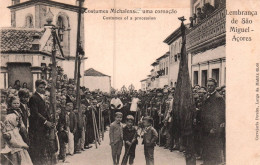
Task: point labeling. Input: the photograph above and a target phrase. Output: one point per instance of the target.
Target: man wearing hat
(212, 123)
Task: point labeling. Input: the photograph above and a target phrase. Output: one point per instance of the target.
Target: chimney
(82, 2)
(15, 2)
(36, 42)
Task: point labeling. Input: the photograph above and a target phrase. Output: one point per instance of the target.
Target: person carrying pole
(130, 139)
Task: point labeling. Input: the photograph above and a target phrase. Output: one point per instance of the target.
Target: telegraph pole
(79, 57)
(78, 39)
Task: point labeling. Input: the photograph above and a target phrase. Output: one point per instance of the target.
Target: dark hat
(149, 119)
(212, 80)
(130, 117)
(118, 114)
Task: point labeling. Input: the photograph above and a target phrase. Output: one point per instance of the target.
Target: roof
(174, 36)
(19, 40)
(155, 63)
(143, 80)
(93, 72)
(48, 2)
(163, 56)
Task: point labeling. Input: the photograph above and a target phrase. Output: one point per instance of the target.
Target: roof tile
(17, 40)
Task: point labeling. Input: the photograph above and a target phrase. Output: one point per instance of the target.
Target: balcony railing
(209, 32)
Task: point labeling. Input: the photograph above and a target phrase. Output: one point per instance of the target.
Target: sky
(123, 49)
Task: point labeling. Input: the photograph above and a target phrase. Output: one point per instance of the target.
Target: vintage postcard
(109, 82)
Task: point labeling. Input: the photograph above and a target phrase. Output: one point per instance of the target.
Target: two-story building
(206, 41)
(205, 45)
(26, 46)
(158, 77)
(144, 84)
(174, 41)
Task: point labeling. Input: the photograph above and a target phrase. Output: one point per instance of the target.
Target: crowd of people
(208, 120)
(33, 134)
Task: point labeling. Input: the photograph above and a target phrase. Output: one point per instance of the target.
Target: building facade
(174, 41)
(159, 75)
(206, 42)
(144, 84)
(205, 45)
(95, 80)
(29, 19)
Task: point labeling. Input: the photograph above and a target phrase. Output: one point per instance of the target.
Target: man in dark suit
(69, 96)
(212, 123)
(40, 126)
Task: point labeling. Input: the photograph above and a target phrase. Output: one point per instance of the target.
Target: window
(204, 78)
(63, 25)
(29, 21)
(195, 78)
(172, 57)
(166, 70)
(61, 28)
(215, 75)
(175, 58)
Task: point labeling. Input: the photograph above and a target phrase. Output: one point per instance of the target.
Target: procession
(53, 111)
(69, 134)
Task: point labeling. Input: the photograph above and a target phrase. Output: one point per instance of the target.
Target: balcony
(209, 33)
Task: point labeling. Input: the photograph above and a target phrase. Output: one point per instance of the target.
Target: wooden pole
(109, 116)
(78, 63)
(94, 128)
(78, 40)
(97, 132)
(53, 74)
(102, 127)
(78, 98)
(99, 118)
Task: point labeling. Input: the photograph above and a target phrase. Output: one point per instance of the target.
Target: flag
(184, 104)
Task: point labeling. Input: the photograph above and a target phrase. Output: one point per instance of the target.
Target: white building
(205, 45)
(159, 75)
(26, 46)
(175, 42)
(144, 84)
(95, 80)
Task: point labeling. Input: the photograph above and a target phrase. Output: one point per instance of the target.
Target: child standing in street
(116, 137)
(130, 139)
(63, 140)
(149, 140)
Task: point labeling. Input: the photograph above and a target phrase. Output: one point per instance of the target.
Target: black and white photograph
(118, 82)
